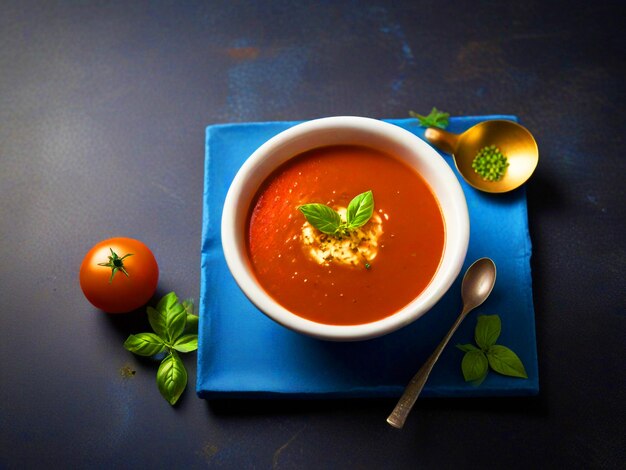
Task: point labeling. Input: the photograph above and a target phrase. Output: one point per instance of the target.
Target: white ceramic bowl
(345, 130)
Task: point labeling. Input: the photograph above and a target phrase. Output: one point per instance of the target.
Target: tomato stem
(116, 264)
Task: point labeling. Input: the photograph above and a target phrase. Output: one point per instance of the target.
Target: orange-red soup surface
(409, 249)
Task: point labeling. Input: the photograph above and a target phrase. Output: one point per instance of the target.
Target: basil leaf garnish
(192, 319)
(360, 210)
(322, 217)
(504, 361)
(490, 355)
(145, 344)
(170, 320)
(175, 321)
(328, 221)
(171, 377)
(467, 347)
(191, 326)
(474, 366)
(487, 331)
(158, 322)
(188, 306)
(167, 302)
(186, 343)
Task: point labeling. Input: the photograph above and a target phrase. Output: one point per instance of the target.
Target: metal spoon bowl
(477, 284)
(513, 140)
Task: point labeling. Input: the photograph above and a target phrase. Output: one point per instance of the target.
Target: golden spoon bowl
(514, 141)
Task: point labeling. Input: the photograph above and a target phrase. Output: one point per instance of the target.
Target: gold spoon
(477, 284)
(514, 141)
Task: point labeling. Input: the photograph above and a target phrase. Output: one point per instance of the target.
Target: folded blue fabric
(243, 353)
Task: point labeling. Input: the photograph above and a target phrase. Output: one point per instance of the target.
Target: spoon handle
(443, 140)
(414, 388)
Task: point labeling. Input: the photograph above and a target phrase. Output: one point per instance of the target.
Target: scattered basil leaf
(191, 326)
(322, 217)
(167, 302)
(487, 331)
(504, 361)
(171, 377)
(188, 306)
(169, 320)
(360, 210)
(186, 343)
(175, 320)
(157, 321)
(436, 118)
(490, 355)
(467, 347)
(474, 366)
(145, 344)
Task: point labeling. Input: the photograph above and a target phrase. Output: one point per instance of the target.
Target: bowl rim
(240, 268)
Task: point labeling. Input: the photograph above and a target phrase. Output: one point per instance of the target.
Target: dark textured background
(103, 107)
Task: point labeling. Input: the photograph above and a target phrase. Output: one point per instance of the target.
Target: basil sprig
(477, 360)
(436, 118)
(175, 331)
(328, 221)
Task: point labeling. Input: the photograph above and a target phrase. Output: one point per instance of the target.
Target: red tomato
(119, 275)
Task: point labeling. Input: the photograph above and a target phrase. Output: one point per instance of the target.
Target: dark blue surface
(103, 110)
(244, 354)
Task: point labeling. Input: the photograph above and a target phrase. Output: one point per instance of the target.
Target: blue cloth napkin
(243, 353)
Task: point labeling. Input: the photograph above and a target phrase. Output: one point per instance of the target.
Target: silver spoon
(477, 284)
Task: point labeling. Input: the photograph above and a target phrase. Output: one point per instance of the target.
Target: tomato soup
(405, 236)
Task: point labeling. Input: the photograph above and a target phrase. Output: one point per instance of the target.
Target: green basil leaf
(467, 347)
(171, 377)
(436, 118)
(186, 343)
(487, 331)
(322, 217)
(474, 366)
(504, 361)
(175, 321)
(144, 344)
(158, 322)
(188, 306)
(167, 302)
(191, 326)
(360, 210)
